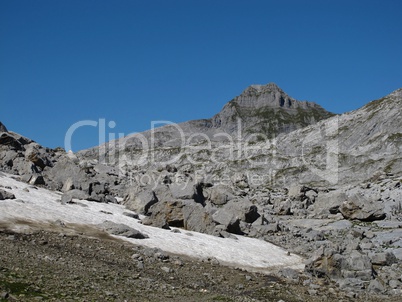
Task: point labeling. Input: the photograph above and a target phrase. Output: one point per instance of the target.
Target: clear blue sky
(137, 61)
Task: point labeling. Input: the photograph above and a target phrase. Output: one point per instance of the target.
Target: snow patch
(41, 205)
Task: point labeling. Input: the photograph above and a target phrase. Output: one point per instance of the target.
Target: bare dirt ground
(60, 263)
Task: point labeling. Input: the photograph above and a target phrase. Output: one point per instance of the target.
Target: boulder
(110, 199)
(220, 194)
(234, 212)
(197, 219)
(220, 231)
(350, 265)
(324, 262)
(64, 171)
(97, 187)
(360, 208)
(76, 194)
(34, 179)
(121, 230)
(166, 212)
(10, 140)
(229, 220)
(260, 230)
(289, 274)
(283, 207)
(184, 190)
(35, 154)
(97, 197)
(140, 199)
(328, 202)
(385, 258)
(251, 213)
(376, 286)
(6, 195)
(65, 199)
(357, 265)
(7, 160)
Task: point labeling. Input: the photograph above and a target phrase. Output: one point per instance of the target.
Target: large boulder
(229, 220)
(324, 263)
(357, 265)
(220, 194)
(197, 219)
(384, 258)
(234, 212)
(327, 203)
(140, 199)
(166, 213)
(7, 159)
(185, 190)
(11, 140)
(361, 208)
(66, 170)
(328, 263)
(37, 155)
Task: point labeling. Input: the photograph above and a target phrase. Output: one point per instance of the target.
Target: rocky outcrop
(3, 128)
(6, 195)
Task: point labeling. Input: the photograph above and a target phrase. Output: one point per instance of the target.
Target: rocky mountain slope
(326, 187)
(259, 112)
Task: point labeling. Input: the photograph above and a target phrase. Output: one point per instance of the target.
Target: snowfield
(43, 206)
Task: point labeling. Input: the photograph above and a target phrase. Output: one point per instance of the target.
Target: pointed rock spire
(3, 128)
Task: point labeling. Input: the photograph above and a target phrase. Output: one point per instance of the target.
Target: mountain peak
(269, 86)
(269, 95)
(3, 128)
(258, 89)
(268, 109)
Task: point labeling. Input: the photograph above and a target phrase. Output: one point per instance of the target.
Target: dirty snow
(41, 205)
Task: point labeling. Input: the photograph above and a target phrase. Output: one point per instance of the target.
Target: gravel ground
(80, 264)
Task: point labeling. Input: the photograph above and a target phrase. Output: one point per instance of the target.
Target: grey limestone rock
(385, 258)
(3, 128)
(68, 197)
(121, 230)
(197, 219)
(140, 199)
(220, 194)
(361, 208)
(6, 195)
(166, 213)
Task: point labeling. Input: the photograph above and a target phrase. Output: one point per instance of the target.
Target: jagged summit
(3, 128)
(261, 88)
(269, 95)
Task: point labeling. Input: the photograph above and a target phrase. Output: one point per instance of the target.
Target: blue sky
(133, 62)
